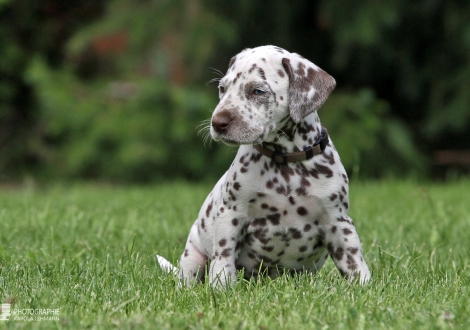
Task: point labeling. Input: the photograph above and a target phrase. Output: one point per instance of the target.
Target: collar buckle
(279, 157)
(309, 152)
(323, 140)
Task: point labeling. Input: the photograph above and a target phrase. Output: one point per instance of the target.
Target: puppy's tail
(166, 265)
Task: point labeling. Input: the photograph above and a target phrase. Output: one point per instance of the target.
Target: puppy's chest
(283, 233)
(278, 210)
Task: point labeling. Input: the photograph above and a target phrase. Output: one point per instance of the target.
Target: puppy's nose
(221, 122)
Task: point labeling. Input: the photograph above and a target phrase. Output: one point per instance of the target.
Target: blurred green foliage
(368, 138)
(116, 90)
(138, 131)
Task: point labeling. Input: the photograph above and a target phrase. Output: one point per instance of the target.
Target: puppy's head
(263, 87)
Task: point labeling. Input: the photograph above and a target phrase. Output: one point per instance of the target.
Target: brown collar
(298, 156)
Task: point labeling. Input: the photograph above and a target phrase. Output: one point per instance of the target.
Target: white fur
(261, 215)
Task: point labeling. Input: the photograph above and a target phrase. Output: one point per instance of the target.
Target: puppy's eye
(258, 92)
(221, 89)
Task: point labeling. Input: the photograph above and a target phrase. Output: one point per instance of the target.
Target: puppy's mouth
(228, 142)
(237, 142)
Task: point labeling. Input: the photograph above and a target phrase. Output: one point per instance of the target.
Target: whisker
(218, 72)
(280, 130)
(207, 138)
(204, 122)
(212, 80)
(205, 130)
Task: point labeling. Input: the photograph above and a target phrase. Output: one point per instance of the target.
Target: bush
(369, 140)
(141, 130)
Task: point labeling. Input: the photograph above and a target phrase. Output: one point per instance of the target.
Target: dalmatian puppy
(282, 206)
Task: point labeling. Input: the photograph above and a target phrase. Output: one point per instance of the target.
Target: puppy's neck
(292, 137)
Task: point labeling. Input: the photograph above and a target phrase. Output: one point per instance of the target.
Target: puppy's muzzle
(221, 122)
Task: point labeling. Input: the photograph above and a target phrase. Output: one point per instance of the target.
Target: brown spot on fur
(259, 222)
(301, 191)
(352, 265)
(267, 248)
(343, 219)
(338, 254)
(296, 234)
(232, 196)
(352, 250)
(302, 211)
(274, 218)
(209, 209)
(226, 253)
(325, 170)
(304, 182)
(281, 190)
(261, 73)
(329, 158)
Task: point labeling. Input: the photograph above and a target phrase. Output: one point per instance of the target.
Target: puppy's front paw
(222, 276)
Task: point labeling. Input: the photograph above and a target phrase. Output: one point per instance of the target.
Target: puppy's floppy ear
(309, 86)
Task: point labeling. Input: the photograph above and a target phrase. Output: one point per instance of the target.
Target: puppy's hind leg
(193, 261)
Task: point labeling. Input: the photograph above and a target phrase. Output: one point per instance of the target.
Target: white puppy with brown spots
(283, 203)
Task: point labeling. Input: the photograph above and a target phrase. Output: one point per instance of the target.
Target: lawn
(87, 252)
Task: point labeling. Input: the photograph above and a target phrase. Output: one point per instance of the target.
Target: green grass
(89, 251)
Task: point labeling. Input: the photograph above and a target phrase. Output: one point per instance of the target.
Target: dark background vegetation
(114, 90)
